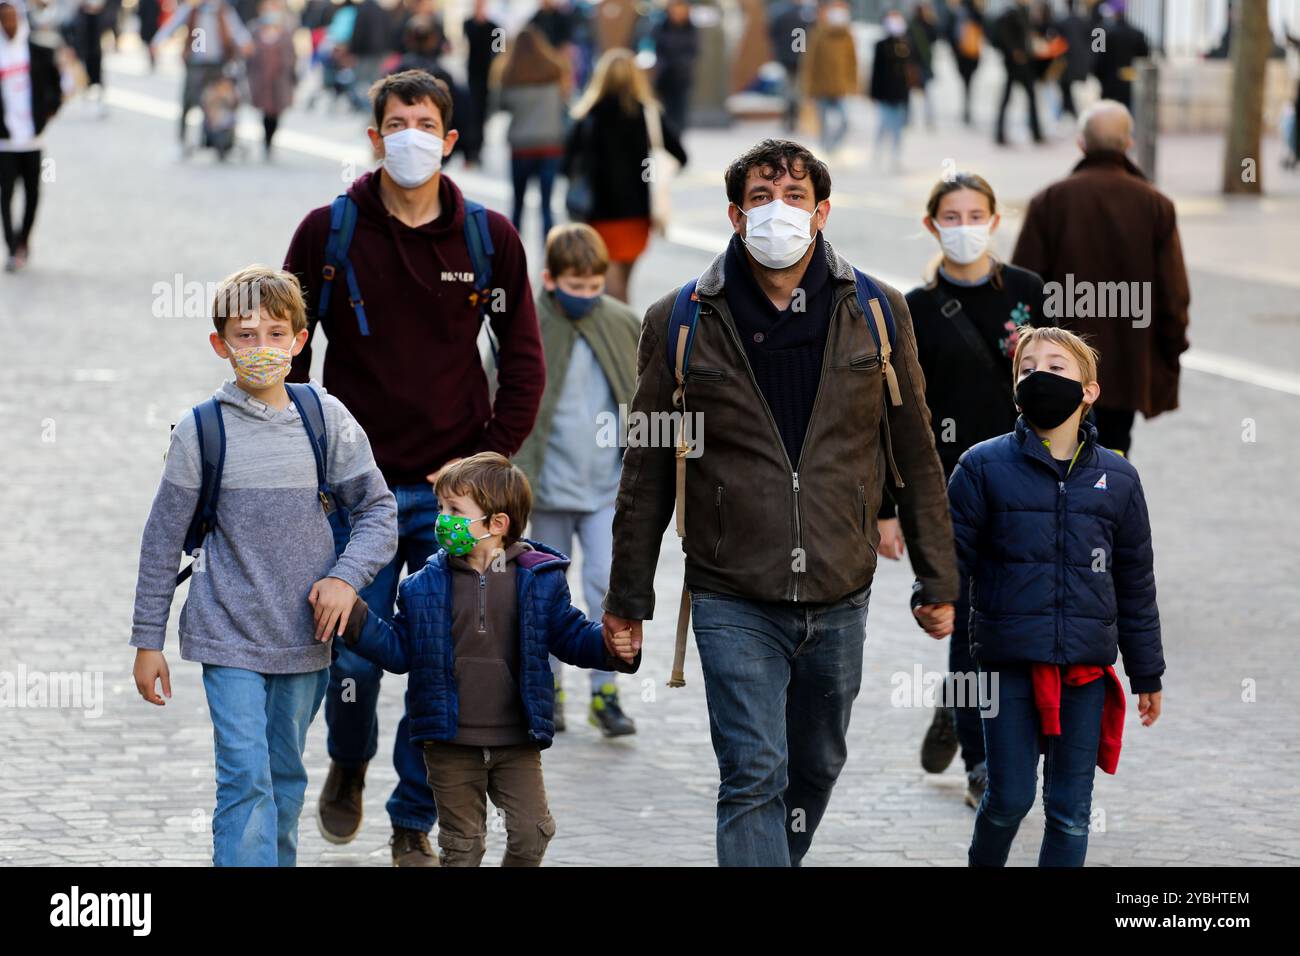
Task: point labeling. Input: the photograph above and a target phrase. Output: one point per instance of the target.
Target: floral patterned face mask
(454, 535)
(261, 366)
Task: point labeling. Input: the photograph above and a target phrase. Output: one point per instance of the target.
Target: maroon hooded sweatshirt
(416, 384)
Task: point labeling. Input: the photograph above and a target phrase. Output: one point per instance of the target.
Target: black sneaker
(606, 713)
(940, 744)
(977, 781)
(338, 811)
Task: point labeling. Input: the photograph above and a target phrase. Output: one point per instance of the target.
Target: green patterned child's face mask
(454, 535)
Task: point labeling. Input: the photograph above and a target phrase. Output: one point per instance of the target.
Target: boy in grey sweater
(268, 590)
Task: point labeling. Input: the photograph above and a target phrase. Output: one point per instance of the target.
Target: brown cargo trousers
(463, 777)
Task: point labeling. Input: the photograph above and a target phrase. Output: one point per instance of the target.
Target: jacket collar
(1108, 159)
(711, 281)
(1034, 448)
(536, 557)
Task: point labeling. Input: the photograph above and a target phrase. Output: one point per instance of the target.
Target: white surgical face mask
(895, 26)
(837, 17)
(964, 244)
(412, 156)
(777, 234)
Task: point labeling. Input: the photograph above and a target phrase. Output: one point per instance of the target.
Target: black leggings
(13, 167)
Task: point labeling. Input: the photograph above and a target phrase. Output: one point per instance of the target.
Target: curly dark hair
(773, 157)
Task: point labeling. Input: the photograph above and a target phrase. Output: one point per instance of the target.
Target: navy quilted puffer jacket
(1061, 570)
(419, 641)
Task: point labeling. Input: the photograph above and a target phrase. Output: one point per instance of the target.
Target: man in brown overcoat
(1106, 243)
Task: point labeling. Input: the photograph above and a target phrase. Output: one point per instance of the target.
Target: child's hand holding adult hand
(623, 645)
(1149, 708)
(150, 667)
(332, 600)
(613, 629)
(936, 619)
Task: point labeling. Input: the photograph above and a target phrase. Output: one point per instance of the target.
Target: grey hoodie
(247, 603)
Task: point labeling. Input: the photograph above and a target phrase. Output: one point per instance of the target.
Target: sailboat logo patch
(1101, 482)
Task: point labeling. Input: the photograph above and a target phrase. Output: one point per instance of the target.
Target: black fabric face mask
(1048, 399)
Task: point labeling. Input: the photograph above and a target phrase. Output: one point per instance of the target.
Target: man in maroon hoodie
(404, 359)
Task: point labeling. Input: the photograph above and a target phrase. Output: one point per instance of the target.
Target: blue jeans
(832, 133)
(350, 708)
(595, 533)
(1011, 741)
(259, 729)
(780, 679)
(893, 117)
(522, 170)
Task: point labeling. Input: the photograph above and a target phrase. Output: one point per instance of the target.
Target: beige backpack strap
(882, 332)
(678, 678)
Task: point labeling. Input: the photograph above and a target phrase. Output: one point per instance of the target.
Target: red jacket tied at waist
(1047, 698)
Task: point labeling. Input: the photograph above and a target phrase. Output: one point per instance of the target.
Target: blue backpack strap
(343, 223)
(312, 413)
(681, 336)
(880, 321)
(211, 430)
(479, 242)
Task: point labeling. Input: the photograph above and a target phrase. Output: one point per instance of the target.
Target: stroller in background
(219, 101)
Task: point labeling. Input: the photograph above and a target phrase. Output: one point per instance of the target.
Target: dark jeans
(675, 95)
(780, 679)
(16, 167)
(970, 732)
(1025, 77)
(1011, 739)
(523, 169)
(1114, 428)
(90, 34)
(350, 708)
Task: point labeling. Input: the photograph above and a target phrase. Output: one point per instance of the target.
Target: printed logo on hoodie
(458, 277)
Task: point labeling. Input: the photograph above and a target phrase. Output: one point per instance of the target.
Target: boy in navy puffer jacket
(1053, 532)
(474, 627)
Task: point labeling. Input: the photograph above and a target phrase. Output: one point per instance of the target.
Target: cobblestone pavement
(94, 380)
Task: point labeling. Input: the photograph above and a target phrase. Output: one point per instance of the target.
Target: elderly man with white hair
(1106, 243)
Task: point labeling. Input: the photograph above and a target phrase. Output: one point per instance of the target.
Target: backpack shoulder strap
(312, 413)
(678, 341)
(479, 242)
(880, 321)
(680, 337)
(343, 223)
(211, 430)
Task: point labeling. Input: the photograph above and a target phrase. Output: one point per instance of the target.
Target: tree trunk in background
(1251, 42)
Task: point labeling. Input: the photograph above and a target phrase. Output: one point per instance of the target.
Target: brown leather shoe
(338, 812)
(411, 848)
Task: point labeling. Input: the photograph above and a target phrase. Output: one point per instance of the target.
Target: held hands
(622, 636)
(936, 619)
(1149, 708)
(332, 600)
(891, 539)
(150, 667)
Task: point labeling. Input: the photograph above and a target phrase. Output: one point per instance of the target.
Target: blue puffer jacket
(1061, 571)
(419, 640)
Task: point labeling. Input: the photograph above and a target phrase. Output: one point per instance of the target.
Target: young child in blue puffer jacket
(475, 628)
(1053, 532)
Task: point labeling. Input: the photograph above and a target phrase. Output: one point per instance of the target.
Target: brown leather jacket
(757, 527)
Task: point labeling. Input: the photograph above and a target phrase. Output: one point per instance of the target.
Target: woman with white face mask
(966, 319)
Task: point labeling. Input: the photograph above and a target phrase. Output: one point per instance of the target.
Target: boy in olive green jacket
(574, 455)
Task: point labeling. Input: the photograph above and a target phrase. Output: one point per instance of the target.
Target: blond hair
(1075, 345)
(616, 74)
(494, 484)
(256, 289)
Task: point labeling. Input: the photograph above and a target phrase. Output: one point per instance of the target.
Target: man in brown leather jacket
(800, 413)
